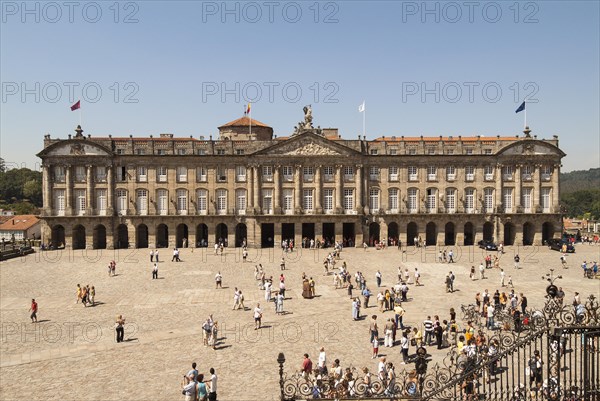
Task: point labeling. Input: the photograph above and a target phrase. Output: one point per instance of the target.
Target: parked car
(488, 245)
(557, 245)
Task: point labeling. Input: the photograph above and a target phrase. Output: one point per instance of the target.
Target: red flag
(76, 105)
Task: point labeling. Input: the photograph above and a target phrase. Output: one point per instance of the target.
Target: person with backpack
(535, 371)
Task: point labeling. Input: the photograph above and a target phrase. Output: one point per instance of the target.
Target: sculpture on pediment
(308, 117)
(312, 149)
(77, 149)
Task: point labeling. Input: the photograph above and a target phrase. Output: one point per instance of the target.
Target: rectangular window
(267, 205)
(100, 174)
(393, 204)
(450, 200)
(546, 173)
(328, 173)
(120, 151)
(393, 173)
(431, 200)
(161, 152)
(162, 201)
(328, 200)
(507, 173)
(239, 152)
(80, 173)
(450, 173)
(488, 173)
(469, 173)
(140, 151)
(240, 173)
(240, 201)
(393, 151)
(546, 199)
(412, 150)
(527, 173)
(507, 199)
(413, 202)
(182, 202)
(221, 174)
(288, 173)
(487, 151)
(526, 200)
(374, 152)
(488, 200)
(181, 152)
(374, 173)
(142, 174)
(307, 200)
(181, 174)
(142, 201)
(221, 201)
(101, 203)
(469, 200)
(59, 202)
(288, 201)
(59, 173)
(431, 151)
(267, 173)
(431, 173)
(201, 152)
(220, 152)
(80, 202)
(348, 173)
(309, 173)
(201, 174)
(121, 174)
(202, 202)
(348, 200)
(374, 200)
(449, 151)
(121, 202)
(413, 174)
(161, 174)
(468, 151)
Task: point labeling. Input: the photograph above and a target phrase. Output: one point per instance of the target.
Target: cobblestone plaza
(71, 354)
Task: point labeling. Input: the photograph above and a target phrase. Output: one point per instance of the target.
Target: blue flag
(521, 107)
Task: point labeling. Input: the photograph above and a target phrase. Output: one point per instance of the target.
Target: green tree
(32, 190)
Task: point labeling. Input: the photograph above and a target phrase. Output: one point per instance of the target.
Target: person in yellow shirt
(469, 331)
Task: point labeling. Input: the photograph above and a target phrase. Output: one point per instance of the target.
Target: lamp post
(551, 290)
(281, 361)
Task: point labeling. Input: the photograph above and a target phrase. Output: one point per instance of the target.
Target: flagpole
(525, 102)
(364, 117)
(250, 121)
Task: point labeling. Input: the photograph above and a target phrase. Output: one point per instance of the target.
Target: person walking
(502, 276)
(388, 332)
(212, 391)
(472, 273)
(79, 291)
(428, 325)
(93, 295)
(481, 271)
(34, 310)
(517, 259)
(257, 316)
(156, 256)
(417, 277)
(404, 344)
(378, 278)
(151, 255)
(218, 280)
(155, 271)
(120, 328)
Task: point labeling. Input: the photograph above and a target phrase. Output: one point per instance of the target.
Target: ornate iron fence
(553, 354)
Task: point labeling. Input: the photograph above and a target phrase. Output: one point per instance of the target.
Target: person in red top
(306, 366)
(33, 310)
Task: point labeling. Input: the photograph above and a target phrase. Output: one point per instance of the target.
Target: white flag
(361, 108)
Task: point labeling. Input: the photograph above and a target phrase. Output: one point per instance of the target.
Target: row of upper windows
(410, 150)
(308, 173)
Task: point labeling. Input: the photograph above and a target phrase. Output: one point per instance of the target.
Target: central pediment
(308, 144)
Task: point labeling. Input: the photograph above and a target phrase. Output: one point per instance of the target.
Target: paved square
(71, 354)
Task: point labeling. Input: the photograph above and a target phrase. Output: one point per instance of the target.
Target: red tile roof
(19, 223)
(244, 122)
(444, 138)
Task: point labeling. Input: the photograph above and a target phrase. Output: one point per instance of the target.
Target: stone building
(109, 192)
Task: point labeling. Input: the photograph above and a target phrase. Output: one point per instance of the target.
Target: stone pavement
(71, 354)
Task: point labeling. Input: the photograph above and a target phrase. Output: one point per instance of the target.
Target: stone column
(555, 189)
(359, 187)
(46, 190)
(537, 188)
(318, 205)
(89, 191)
(68, 191)
(110, 197)
(339, 195)
(250, 188)
(498, 194)
(298, 190)
(517, 179)
(256, 189)
(277, 195)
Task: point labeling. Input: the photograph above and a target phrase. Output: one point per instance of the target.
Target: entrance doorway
(449, 234)
(142, 236)
(348, 233)
(469, 234)
(78, 237)
(99, 237)
(431, 233)
(162, 236)
(267, 235)
(288, 231)
(122, 237)
(488, 231)
(181, 235)
(329, 233)
(240, 234)
(201, 236)
(308, 232)
(412, 232)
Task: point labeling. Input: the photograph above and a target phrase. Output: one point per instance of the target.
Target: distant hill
(579, 180)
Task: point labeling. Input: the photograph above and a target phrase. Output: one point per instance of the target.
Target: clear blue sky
(171, 54)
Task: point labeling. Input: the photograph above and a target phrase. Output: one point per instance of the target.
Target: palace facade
(248, 185)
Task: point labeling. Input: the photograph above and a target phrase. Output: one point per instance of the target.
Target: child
(375, 347)
(510, 282)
